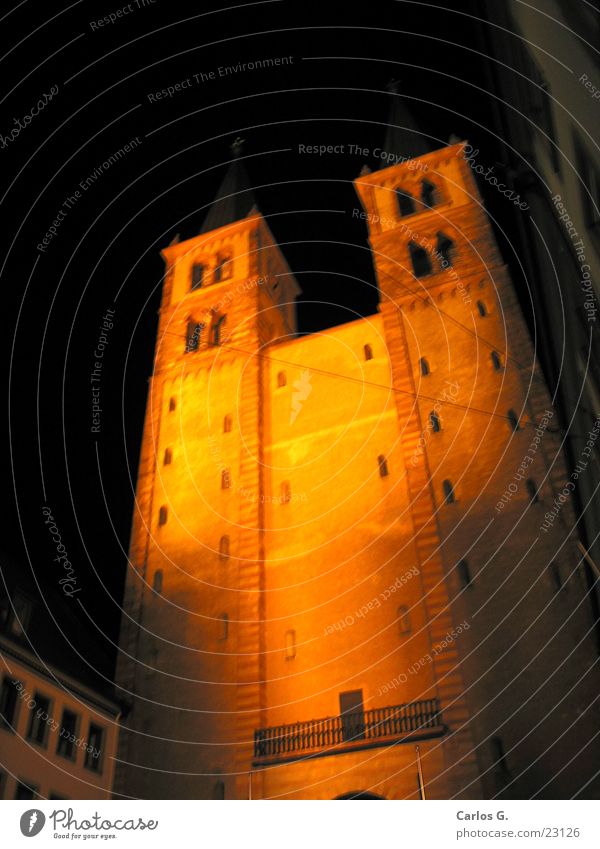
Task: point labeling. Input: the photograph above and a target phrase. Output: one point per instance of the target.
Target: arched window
(449, 497)
(513, 420)
(227, 424)
(290, 644)
(532, 490)
(435, 422)
(464, 573)
(162, 515)
(419, 257)
(224, 547)
(172, 404)
(219, 790)
(286, 492)
(223, 268)
(482, 309)
(425, 370)
(217, 328)
(383, 466)
(368, 352)
(197, 275)
(406, 203)
(224, 626)
(428, 197)
(403, 620)
(193, 336)
(496, 360)
(168, 456)
(157, 581)
(445, 249)
(281, 379)
(225, 479)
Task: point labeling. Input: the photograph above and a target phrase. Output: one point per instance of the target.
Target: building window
(435, 422)
(227, 424)
(157, 581)
(445, 249)
(406, 203)
(67, 735)
(428, 195)
(197, 275)
(219, 790)
(496, 360)
(9, 695)
(224, 626)
(217, 329)
(368, 352)
(290, 644)
(168, 456)
(420, 260)
(93, 752)
(172, 404)
(26, 790)
(224, 268)
(425, 370)
(286, 492)
(482, 309)
(532, 490)
(403, 620)
(225, 479)
(193, 336)
(38, 721)
(383, 466)
(352, 715)
(224, 547)
(281, 379)
(464, 573)
(449, 497)
(162, 515)
(513, 420)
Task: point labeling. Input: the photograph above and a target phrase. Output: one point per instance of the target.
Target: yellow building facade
(324, 599)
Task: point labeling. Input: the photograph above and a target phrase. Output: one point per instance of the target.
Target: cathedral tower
(325, 598)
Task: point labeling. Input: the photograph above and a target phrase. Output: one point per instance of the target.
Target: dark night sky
(109, 242)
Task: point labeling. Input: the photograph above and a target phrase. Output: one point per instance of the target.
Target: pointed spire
(403, 136)
(235, 198)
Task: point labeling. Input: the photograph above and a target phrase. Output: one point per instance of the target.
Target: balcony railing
(422, 719)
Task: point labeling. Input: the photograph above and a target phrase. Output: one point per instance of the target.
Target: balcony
(348, 732)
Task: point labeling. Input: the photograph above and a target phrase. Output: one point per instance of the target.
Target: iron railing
(423, 718)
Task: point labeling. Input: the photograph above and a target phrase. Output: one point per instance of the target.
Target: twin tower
(338, 586)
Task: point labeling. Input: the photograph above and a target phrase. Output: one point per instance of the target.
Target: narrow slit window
(194, 334)
(428, 195)
(448, 489)
(383, 466)
(281, 379)
(223, 268)
(496, 360)
(224, 547)
(404, 626)
(217, 329)
(286, 492)
(532, 490)
(434, 420)
(197, 275)
(482, 309)
(406, 202)
(425, 370)
(223, 626)
(157, 581)
(464, 573)
(513, 420)
(162, 515)
(172, 404)
(368, 352)
(225, 479)
(168, 457)
(420, 260)
(227, 424)
(445, 250)
(290, 644)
